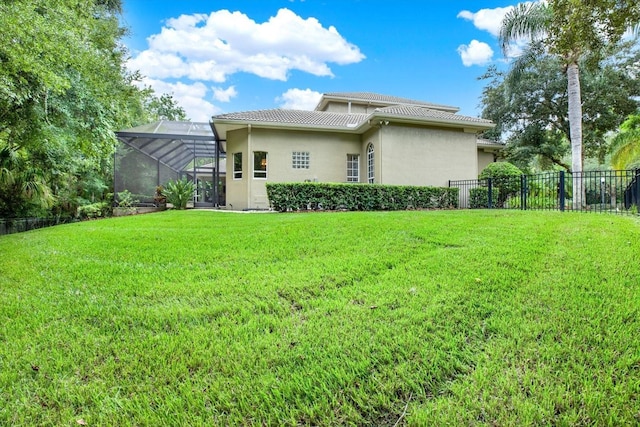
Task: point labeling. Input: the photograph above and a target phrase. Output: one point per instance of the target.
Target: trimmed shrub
(358, 197)
(479, 197)
(179, 192)
(505, 177)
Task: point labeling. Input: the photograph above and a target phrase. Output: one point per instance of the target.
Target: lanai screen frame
(174, 144)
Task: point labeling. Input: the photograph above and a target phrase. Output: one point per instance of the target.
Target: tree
(625, 148)
(571, 30)
(530, 111)
(64, 90)
(163, 107)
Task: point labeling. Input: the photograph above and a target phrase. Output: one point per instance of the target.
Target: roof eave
(326, 98)
(225, 124)
(459, 124)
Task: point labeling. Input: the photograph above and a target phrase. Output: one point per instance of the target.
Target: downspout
(250, 161)
(216, 172)
(379, 154)
(216, 177)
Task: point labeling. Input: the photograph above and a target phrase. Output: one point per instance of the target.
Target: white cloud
(191, 97)
(475, 53)
(224, 95)
(487, 19)
(212, 47)
(299, 99)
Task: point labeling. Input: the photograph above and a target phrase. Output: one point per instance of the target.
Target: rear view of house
(355, 137)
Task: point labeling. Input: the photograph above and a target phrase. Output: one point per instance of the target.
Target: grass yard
(407, 318)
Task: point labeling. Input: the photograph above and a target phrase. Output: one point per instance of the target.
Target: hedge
(358, 197)
(479, 197)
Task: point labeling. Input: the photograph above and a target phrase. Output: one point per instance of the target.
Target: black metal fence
(602, 191)
(18, 225)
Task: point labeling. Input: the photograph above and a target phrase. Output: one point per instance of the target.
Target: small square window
(300, 160)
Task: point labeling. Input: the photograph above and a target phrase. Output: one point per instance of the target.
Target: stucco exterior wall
(425, 156)
(327, 161)
(484, 159)
(404, 155)
(237, 189)
(343, 107)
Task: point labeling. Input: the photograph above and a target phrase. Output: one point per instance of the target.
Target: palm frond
(625, 149)
(529, 56)
(524, 21)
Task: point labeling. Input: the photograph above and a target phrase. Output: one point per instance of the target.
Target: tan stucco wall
(327, 161)
(237, 189)
(404, 155)
(484, 159)
(343, 107)
(424, 156)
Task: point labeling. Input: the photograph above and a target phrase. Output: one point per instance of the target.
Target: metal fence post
(523, 192)
(490, 196)
(636, 194)
(561, 192)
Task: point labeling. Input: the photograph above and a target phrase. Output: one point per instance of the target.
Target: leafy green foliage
(609, 91)
(94, 210)
(479, 197)
(179, 192)
(572, 31)
(330, 196)
(625, 147)
(213, 318)
(505, 177)
(23, 188)
(64, 90)
(163, 107)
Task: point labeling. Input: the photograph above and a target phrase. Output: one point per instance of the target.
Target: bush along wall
(479, 197)
(286, 197)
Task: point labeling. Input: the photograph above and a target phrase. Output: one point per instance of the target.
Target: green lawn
(416, 318)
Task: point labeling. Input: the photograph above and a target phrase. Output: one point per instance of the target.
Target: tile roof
(409, 111)
(489, 143)
(400, 108)
(299, 117)
(384, 99)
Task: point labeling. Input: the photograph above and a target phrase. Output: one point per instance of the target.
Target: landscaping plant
(179, 192)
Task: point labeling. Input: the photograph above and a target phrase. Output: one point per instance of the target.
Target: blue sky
(217, 56)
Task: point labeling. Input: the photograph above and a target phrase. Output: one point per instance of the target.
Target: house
(356, 137)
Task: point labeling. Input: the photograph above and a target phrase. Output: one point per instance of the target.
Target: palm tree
(625, 147)
(569, 30)
(22, 187)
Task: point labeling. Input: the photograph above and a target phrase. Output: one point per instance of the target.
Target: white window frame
(260, 171)
(371, 164)
(353, 167)
(237, 173)
(300, 160)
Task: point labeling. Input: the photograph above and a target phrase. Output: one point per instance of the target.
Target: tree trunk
(575, 125)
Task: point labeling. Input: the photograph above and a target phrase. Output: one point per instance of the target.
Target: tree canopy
(572, 31)
(530, 111)
(64, 90)
(625, 147)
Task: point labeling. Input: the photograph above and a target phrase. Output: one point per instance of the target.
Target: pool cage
(151, 155)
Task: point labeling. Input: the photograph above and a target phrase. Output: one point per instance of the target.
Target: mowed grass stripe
(217, 318)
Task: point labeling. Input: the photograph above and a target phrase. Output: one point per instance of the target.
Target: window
(237, 165)
(300, 160)
(371, 170)
(259, 164)
(353, 167)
